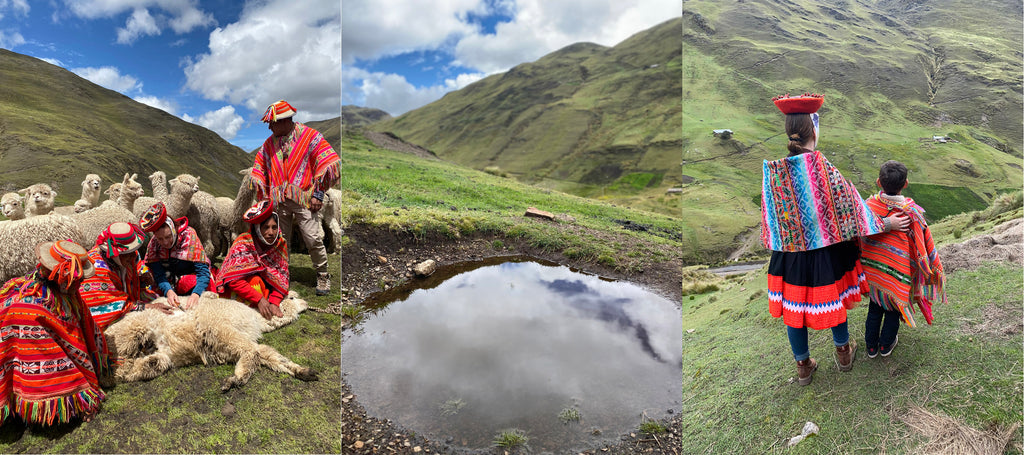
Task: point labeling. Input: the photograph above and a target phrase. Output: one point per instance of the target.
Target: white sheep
(214, 331)
(13, 206)
(38, 199)
(18, 239)
(90, 197)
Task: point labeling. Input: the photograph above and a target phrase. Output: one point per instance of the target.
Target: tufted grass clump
(452, 407)
(652, 427)
(511, 438)
(569, 415)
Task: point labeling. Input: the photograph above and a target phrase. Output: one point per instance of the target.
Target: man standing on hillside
(294, 168)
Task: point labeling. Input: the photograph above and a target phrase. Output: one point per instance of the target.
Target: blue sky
(215, 63)
(398, 58)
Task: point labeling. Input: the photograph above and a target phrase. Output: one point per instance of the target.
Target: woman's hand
(192, 300)
(898, 222)
(172, 298)
(163, 307)
(268, 310)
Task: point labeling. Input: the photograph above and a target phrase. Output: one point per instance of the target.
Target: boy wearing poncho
(902, 268)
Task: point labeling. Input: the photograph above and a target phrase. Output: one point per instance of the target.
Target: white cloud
(223, 121)
(540, 27)
(109, 77)
(393, 94)
(278, 49)
(10, 39)
(20, 7)
(376, 28)
(139, 23)
(148, 17)
(53, 61)
(167, 106)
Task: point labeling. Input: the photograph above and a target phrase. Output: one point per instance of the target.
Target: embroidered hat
(808, 103)
(154, 218)
(259, 212)
(120, 238)
(67, 261)
(278, 111)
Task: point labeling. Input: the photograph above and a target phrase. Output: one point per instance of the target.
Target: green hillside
(352, 116)
(894, 75)
(57, 127)
(580, 119)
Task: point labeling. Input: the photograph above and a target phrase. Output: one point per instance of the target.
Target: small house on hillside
(722, 134)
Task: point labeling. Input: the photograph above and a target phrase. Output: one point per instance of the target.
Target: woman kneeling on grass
(176, 257)
(810, 219)
(255, 270)
(52, 354)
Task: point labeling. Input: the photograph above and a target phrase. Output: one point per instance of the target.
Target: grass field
(739, 385)
(184, 411)
(400, 192)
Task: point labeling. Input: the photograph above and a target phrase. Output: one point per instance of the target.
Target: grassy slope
(401, 192)
(180, 412)
(738, 367)
(732, 69)
(575, 120)
(89, 129)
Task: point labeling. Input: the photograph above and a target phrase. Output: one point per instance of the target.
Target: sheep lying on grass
(38, 199)
(215, 331)
(12, 206)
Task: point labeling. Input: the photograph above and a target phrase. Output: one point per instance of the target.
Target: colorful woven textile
(248, 257)
(815, 288)
(903, 268)
(807, 204)
(187, 247)
(278, 111)
(311, 165)
(107, 294)
(51, 353)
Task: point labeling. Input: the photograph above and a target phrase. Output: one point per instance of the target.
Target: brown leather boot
(846, 354)
(805, 370)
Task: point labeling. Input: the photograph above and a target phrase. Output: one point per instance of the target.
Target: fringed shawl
(806, 204)
(245, 258)
(51, 354)
(903, 269)
(310, 161)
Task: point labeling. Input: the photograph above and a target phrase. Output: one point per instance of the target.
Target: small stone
(382, 259)
(539, 213)
(425, 268)
(691, 330)
(359, 444)
(417, 449)
(632, 435)
(228, 410)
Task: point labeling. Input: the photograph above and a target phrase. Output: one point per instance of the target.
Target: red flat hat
(259, 212)
(808, 103)
(154, 218)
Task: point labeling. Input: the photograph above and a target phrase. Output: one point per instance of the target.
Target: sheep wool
(18, 239)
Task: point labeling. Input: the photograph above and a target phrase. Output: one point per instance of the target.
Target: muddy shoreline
(376, 260)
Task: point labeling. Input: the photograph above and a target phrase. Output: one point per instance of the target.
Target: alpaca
(113, 192)
(243, 200)
(18, 239)
(203, 217)
(92, 222)
(182, 189)
(13, 206)
(214, 331)
(158, 180)
(330, 219)
(38, 199)
(90, 197)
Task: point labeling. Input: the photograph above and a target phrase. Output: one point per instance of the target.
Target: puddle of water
(511, 346)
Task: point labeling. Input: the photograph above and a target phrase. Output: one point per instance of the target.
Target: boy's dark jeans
(888, 321)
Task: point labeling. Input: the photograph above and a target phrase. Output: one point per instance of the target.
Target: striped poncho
(311, 165)
(51, 354)
(110, 294)
(806, 204)
(903, 268)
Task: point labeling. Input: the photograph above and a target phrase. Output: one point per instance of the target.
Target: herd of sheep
(32, 217)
